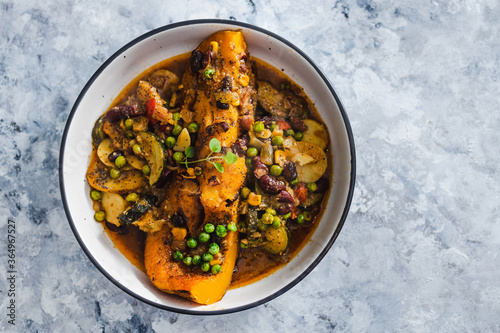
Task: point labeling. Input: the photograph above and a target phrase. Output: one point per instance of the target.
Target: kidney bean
(162, 181)
(290, 171)
(114, 114)
(170, 156)
(227, 83)
(246, 122)
(207, 58)
(322, 185)
(220, 126)
(178, 220)
(284, 208)
(123, 111)
(114, 155)
(196, 57)
(120, 230)
(271, 185)
(297, 124)
(267, 119)
(259, 168)
(284, 196)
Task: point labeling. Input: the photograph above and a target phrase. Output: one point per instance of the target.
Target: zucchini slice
(154, 154)
(138, 209)
(98, 134)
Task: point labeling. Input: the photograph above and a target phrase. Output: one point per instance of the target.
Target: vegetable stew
(209, 170)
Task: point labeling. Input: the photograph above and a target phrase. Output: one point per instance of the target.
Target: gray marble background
(420, 250)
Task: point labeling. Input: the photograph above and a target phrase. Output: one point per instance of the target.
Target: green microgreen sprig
(215, 147)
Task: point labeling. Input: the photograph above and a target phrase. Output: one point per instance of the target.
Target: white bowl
(106, 84)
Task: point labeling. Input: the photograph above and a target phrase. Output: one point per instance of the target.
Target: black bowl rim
(347, 125)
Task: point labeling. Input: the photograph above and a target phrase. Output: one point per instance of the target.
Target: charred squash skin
(211, 102)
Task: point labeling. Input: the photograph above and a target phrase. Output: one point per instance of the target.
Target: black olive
(196, 57)
(222, 106)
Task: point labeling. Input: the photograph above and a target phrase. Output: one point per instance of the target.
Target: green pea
(196, 260)
(262, 226)
(146, 170)
(178, 255)
(248, 163)
(188, 261)
(96, 195)
(209, 227)
(132, 197)
(221, 231)
(191, 242)
(114, 173)
(298, 136)
(274, 126)
(312, 187)
(277, 140)
(213, 248)
(120, 161)
(300, 218)
(276, 170)
(232, 227)
(258, 126)
(178, 156)
(177, 130)
(307, 215)
(176, 116)
(271, 211)
(129, 123)
(207, 257)
(276, 222)
(203, 237)
(252, 151)
(170, 142)
(137, 149)
(295, 181)
(245, 192)
(287, 216)
(267, 218)
(205, 266)
(100, 216)
(216, 269)
(193, 128)
(209, 73)
(289, 132)
(129, 134)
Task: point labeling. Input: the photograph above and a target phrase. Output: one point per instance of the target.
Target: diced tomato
(295, 212)
(301, 192)
(283, 125)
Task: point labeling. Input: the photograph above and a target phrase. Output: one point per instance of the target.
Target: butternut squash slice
(218, 192)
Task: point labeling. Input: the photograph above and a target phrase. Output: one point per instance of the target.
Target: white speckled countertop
(420, 250)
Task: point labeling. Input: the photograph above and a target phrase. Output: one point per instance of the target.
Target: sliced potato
(113, 204)
(183, 141)
(311, 172)
(105, 148)
(315, 133)
(302, 159)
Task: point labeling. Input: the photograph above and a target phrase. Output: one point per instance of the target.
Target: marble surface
(420, 250)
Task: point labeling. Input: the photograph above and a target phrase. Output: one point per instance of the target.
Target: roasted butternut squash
(218, 118)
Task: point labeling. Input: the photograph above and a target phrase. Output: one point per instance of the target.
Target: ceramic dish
(123, 67)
